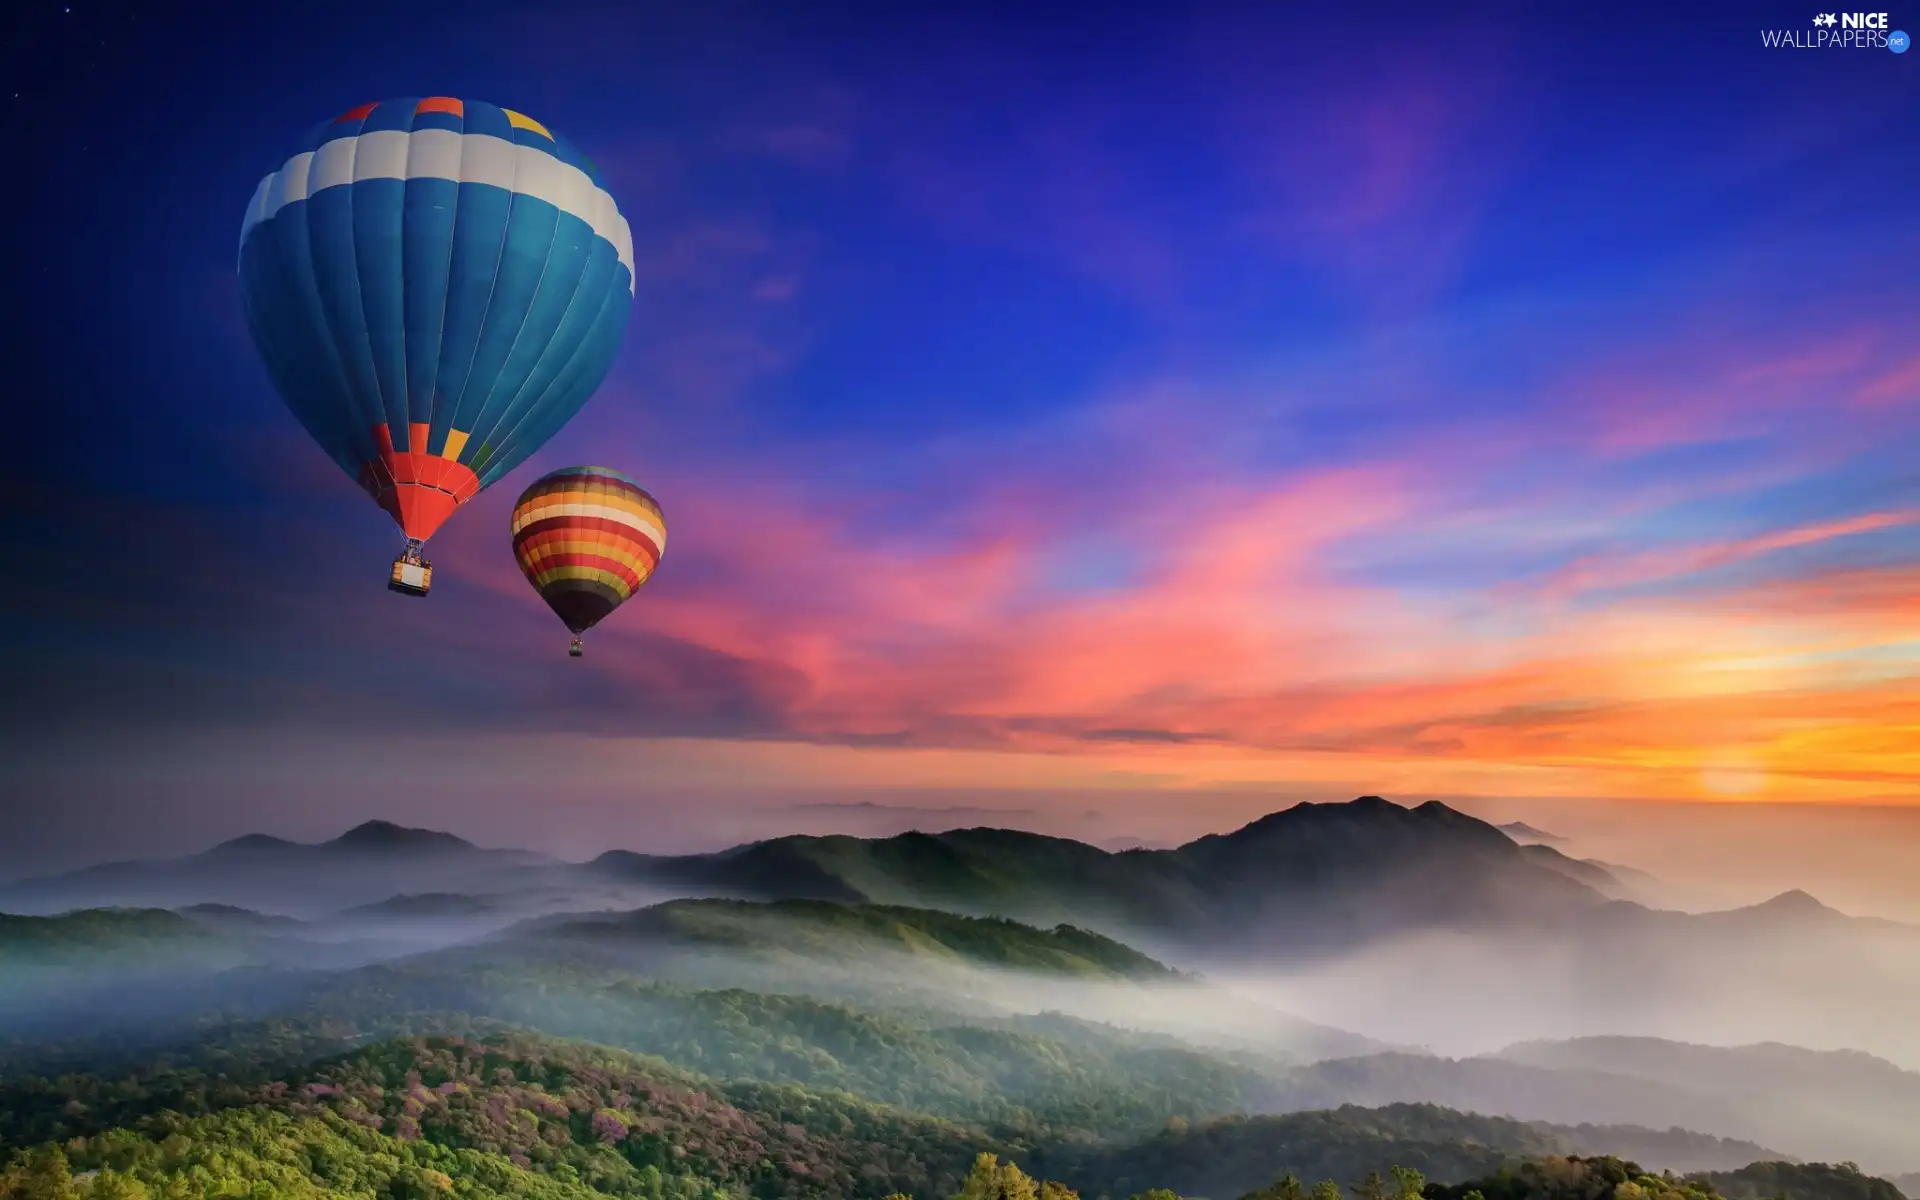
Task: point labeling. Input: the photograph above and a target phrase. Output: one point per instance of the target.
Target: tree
(108, 1185)
(1287, 1187)
(1408, 1184)
(40, 1174)
(1371, 1188)
(992, 1180)
(1326, 1189)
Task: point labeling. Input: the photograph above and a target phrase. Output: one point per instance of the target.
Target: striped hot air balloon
(586, 538)
(436, 287)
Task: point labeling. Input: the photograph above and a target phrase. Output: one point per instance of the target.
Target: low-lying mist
(1182, 1007)
(1278, 1039)
(1459, 994)
(1319, 973)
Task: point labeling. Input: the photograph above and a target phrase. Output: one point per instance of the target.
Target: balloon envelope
(586, 538)
(436, 286)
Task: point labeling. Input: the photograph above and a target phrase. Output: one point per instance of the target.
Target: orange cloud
(1400, 623)
(1238, 654)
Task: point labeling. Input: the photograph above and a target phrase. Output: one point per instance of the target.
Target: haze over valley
(1360, 953)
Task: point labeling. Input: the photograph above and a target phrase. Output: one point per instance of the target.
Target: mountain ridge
(1309, 877)
(1313, 878)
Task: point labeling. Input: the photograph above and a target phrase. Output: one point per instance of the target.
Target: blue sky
(1506, 400)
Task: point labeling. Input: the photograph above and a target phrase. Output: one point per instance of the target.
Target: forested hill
(520, 1115)
(39, 955)
(827, 931)
(1308, 875)
(78, 936)
(1229, 1156)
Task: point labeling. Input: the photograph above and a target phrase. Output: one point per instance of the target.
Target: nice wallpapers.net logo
(1840, 31)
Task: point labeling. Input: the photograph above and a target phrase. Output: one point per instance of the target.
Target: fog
(1434, 1018)
(1185, 1008)
(1440, 1019)
(1863, 859)
(1459, 994)
(378, 932)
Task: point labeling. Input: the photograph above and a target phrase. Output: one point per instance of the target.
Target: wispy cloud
(1603, 573)
(1198, 415)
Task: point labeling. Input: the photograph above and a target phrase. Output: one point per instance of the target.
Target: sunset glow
(1249, 406)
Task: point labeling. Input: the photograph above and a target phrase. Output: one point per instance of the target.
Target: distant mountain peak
(1795, 903)
(1428, 814)
(1366, 807)
(385, 835)
(1521, 831)
(252, 843)
(1343, 834)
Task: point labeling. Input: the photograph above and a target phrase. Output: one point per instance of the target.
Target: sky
(1136, 421)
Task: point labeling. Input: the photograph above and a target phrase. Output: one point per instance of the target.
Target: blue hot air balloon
(436, 287)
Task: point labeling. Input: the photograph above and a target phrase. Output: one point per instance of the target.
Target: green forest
(543, 1067)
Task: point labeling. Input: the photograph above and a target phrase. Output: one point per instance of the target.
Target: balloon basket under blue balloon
(412, 575)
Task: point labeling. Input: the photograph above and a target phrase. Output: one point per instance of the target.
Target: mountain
(95, 934)
(1592, 874)
(1411, 899)
(514, 1115)
(54, 966)
(1809, 1104)
(1005, 1065)
(517, 1114)
(1908, 1183)
(1524, 833)
(1611, 880)
(365, 864)
(1640, 882)
(1799, 1181)
(1514, 1089)
(1337, 911)
(384, 837)
(234, 917)
(376, 837)
(1798, 909)
(817, 930)
(253, 843)
(1813, 1103)
(1315, 878)
(1236, 1155)
(1576, 1178)
(983, 970)
(425, 904)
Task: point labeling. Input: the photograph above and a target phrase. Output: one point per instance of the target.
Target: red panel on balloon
(418, 490)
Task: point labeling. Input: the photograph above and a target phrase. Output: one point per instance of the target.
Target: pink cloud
(1900, 385)
(1690, 380)
(1600, 573)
